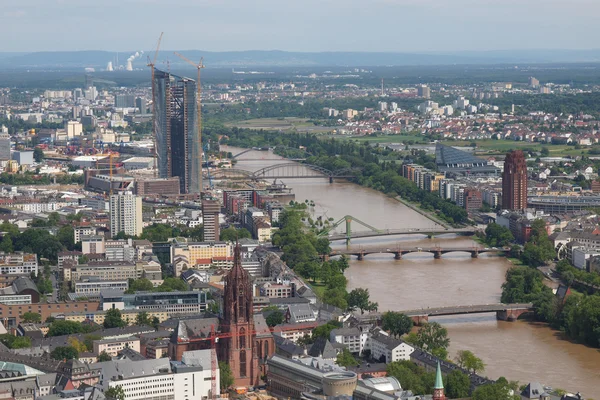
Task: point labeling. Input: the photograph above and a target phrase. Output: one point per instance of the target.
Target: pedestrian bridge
(437, 251)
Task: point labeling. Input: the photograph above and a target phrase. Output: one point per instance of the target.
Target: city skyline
(334, 25)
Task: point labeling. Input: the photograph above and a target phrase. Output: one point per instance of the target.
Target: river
(522, 350)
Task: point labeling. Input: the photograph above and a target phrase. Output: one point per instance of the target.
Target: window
(243, 363)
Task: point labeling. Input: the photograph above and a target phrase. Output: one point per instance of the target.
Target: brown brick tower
(514, 181)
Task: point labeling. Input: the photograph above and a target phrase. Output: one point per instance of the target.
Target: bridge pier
(331, 179)
(419, 320)
(474, 254)
(361, 256)
(437, 255)
(398, 256)
(510, 315)
(430, 236)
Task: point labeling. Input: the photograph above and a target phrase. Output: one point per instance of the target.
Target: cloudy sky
(304, 25)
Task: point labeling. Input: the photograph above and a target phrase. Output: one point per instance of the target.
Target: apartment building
(18, 263)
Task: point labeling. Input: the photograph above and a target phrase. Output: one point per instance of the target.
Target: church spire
(438, 387)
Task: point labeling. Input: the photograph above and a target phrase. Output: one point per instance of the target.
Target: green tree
(112, 319)
(275, 318)
(469, 361)
(59, 328)
(15, 342)
(497, 391)
(231, 234)
(433, 338)
(539, 248)
(155, 323)
(498, 235)
(140, 285)
(7, 244)
(396, 323)
(103, 357)
(44, 285)
(324, 330)
(409, 374)
(171, 284)
(545, 152)
(38, 155)
(64, 353)
(31, 317)
(115, 393)
(143, 319)
(359, 298)
(346, 359)
(226, 376)
(458, 385)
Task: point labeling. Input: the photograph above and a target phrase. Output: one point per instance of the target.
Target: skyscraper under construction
(178, 150)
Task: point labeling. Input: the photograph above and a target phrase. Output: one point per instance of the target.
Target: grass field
(281, 124)
(382, 139)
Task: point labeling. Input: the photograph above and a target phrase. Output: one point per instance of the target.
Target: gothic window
(242, 338)
(243, 363)
(266, 353)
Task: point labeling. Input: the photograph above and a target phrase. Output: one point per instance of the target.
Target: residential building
(73, 128)
(18, 263)
(472, 200)
(80, 231)
(4, 147)
(126, 214)
(94, 244)
(94, 285)
(198, 255)
(178, 147)
(514, 181)
(349, 337)
(424, 91)
(388, 349)
(112, 347)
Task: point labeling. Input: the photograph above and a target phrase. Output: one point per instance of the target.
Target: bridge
(372, 231)
(437, 251)
(288, 170)
(504, 312)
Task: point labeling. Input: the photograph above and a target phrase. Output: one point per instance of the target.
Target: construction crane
(151, 64)
(199, 67)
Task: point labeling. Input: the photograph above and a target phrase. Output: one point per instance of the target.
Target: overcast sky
(301, 25)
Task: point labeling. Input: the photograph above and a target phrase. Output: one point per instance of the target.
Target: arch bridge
(284, 171)
(437, 251)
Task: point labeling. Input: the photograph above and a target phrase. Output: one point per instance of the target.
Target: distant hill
(259, 58)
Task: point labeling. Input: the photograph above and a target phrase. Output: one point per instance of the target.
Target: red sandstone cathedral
(244, 339)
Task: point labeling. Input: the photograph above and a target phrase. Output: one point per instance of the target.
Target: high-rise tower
(177, 149)
(238, 320)
(514, 181)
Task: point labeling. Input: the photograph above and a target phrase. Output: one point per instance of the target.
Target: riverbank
(426, 214)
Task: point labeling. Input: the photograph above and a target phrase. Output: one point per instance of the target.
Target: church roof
(194, 328)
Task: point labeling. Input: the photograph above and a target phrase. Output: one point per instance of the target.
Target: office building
(424, 91)
(4, 147)
(125, 214)
(124, 101)
(23, 157)
(514, 181)
(73, 128)
(210, 214)
(472, 200)
(533, 82)
(177, 142)
(141, 105)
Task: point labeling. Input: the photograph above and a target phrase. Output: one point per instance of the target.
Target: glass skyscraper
(177, 143)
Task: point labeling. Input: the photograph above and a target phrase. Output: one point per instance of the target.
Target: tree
(498, 235)
(324, 330)
(112, 319)
(433, 338)
(155, 323)
(359, 298)
(539, 248)
(396, 323)
(59, 328)
(103, 357)
(346, 359)
(7, 244)
(495, 391)
(77, 345)
(232, 234)
(458, 385)
(143, 319)
(467, 360)
(274, 318)
(115, 393)
(226, 376)
(44, 285)
(545, 152)
(15, 342)
(140, 285)
(38, 155)
(64, 353)
(31, 317)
